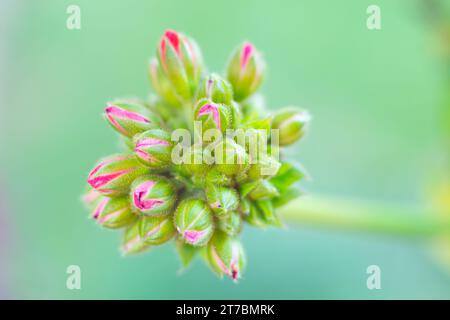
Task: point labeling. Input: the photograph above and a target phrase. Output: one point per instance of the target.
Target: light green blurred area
(374, 97)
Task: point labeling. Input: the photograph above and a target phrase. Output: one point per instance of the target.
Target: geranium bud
(192, 162)
(212, 115)
(236, 114)
(265, 167)
(113, 175)
(215, 89)
(292, 123)
(132, 241)
(113, 212)
(215, 177)
(162, 85)
(156, 230)
(230, 224)
(90, 197)
(153, 148)
(222, 200)
(194, 222)
(226, 255)
(181, 62)
(231, 158)
(153, 195)
(264, 190)
(130, 118)
(245, 71)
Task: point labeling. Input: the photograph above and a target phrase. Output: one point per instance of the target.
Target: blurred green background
(374, 97)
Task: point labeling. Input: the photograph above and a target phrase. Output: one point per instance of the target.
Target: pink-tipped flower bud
(181, 63)
(212, 115)
(153, 195)
(153, 148)
(292, 123)
(194, 222)
(245, 71)
(90, 197)
(226, 255)
(132, 241)
(113, 212)
(156, 230)
(130, 118)
(216, 89)
(113, 175)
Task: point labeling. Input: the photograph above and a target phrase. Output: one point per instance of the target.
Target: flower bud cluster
(221, 184)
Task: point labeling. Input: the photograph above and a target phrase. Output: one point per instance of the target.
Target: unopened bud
(153, 195)
(130, 118)
(194, 222)
(156, 230)
(291, 123)
(231, 158)
(216, 89)
(245, 71)
(226, 255)
(264, 190)
(181, 62)
(222, 200)
(154, 148)
(212, 115)
(265, 167)
(112, 175)
(113, 212)
(230, 224)
(90, 197)
(162, 85)
(132, 241)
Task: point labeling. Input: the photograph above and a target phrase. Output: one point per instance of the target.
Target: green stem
(365, 217)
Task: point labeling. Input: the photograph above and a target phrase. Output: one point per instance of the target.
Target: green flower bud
(262, 214)
(130, 118)
(113, 175)
(266, 166)
(226, 255)
(153, 195)
(194, 222)
(156, 230)
(181, 63)
(231, 158)
(254, 107)
(215, 177)
(212, 115)
(113, 212)
(162, 85)
(236, 114)
(291, 123)
(154, 148)
(245, 71)
(222, 200)
(215, 89)
(230, 224)
(264, 190)
(194, 163)
(132, 241)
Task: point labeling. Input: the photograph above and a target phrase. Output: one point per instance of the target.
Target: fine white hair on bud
(200, 160)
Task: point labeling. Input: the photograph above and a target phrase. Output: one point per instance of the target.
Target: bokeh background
(374, 95)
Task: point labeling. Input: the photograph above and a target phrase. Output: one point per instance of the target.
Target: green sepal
(186, 253)
(264, 190)
(286, 176)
